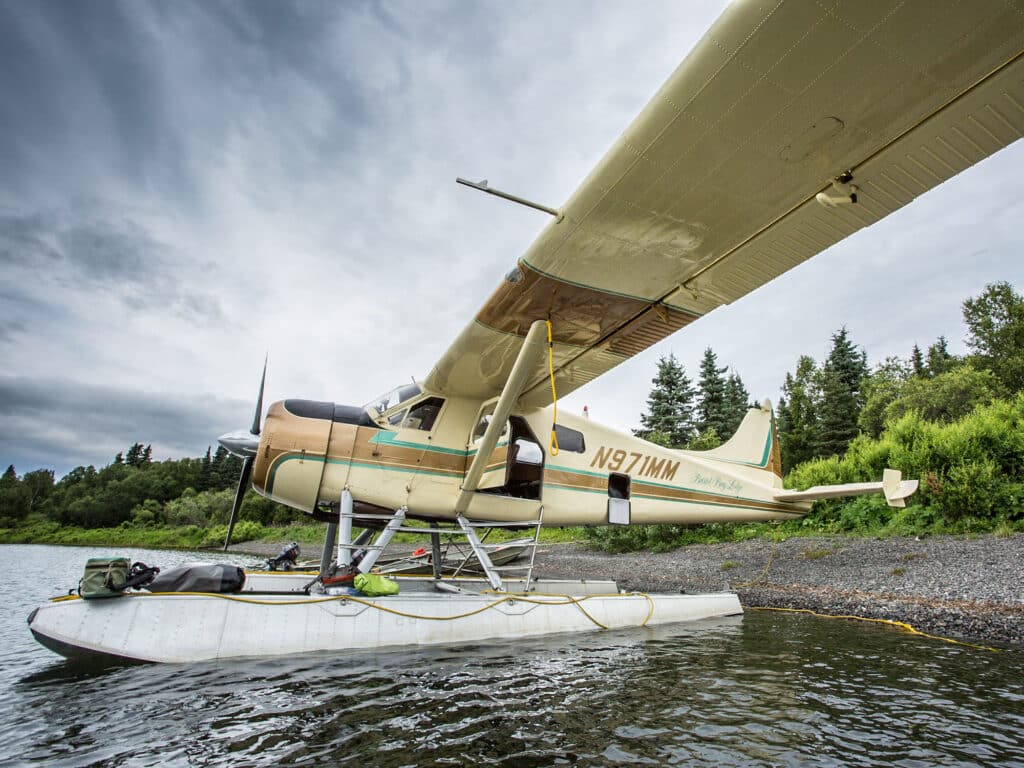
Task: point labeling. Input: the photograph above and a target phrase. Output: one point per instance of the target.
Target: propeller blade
(243, 486)
(259, 401)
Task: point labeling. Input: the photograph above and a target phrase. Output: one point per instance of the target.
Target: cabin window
(570, 439)
(484, 421)
(618, 499)
(424, 414)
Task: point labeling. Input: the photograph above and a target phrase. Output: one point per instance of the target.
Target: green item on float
(104, 577)
(374, 585)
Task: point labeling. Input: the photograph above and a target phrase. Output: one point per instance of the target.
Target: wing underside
(710, 192)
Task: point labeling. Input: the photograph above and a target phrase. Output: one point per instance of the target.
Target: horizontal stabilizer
(893, 486)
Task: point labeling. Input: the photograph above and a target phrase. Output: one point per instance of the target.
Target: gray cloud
(187, 185)
(61, 424)
(116, 256)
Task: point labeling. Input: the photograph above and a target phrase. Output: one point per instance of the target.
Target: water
(767, 689)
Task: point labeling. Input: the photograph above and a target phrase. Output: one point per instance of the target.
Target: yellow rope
(554, 395)
(771, 558)
(901, 624)
(512, 597)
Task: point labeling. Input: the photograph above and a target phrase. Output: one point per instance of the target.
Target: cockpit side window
(424, 414)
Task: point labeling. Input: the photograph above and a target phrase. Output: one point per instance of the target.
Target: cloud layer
(188, 186)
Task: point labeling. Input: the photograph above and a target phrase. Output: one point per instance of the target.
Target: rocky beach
(953, 586)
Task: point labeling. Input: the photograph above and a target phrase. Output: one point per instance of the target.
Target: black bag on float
(199, 577)
(104, 577)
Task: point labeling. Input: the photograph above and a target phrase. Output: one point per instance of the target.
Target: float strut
(345, 541)
(329, 539)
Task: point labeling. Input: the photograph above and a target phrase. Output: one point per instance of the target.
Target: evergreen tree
(119, 458)
(134, 457)
(225, 469)
(939, 359)
(737, 403)
(713, 409)
(13, 498)
(995, 333)
(670, 405)
(841, 395)
(205, 472)
(917, 363)
(147, 455)
(798, 414)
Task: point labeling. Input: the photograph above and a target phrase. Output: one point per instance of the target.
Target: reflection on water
(767, 689)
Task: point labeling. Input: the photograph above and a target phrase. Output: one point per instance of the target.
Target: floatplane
(789, 127)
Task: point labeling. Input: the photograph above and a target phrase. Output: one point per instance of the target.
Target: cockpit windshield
(387, 401)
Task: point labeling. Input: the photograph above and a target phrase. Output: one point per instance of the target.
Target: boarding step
(493, 572)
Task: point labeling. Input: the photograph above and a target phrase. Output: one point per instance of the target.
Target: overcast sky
(185, 187)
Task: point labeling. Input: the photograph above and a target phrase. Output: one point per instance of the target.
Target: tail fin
(756, 442)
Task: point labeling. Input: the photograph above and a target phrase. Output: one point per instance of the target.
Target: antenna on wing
(483, 187)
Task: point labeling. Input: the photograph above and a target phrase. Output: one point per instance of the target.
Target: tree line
(954, 422)
(681, 415)
(134, 489)
(825, 406)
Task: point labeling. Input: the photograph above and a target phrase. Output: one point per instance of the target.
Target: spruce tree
(798, 414)
(939, 359)
(840, 385)
(670, 405)
(14, 501)
(917, 363)
(713, 408)
(134, 457)
(737, 402)
(205, 472)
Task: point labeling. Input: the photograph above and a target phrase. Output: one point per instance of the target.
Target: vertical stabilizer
(756, 442)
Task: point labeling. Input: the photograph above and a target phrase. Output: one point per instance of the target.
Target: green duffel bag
(104, 577)
(374, 585)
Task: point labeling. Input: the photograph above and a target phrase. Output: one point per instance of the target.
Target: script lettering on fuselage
(719, 484)
(634, 463)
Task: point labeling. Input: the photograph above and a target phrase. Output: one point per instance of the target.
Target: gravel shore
(970, 588)
(953, 586)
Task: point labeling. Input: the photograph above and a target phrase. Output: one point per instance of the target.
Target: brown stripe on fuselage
(580, 315)
(392, 456)
(640, 489)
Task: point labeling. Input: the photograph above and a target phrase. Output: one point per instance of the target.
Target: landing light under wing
(711, 192)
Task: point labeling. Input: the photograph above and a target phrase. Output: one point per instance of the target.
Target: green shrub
(245, 530)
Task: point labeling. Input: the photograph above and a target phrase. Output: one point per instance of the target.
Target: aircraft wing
(711, 192)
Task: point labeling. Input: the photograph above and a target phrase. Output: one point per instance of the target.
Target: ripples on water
(768, 689)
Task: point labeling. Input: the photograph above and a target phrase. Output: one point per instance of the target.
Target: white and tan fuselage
(306, 458)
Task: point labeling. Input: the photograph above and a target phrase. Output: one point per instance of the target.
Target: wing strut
(517, 380)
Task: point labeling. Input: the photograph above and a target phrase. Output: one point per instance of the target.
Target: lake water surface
(765, 689)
